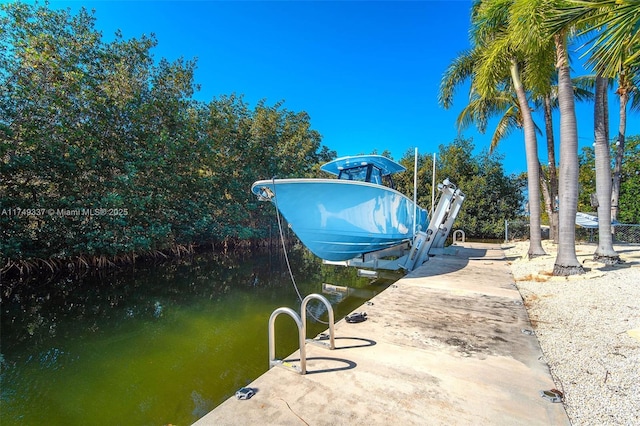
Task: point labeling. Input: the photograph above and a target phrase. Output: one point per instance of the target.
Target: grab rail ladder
(302, 333)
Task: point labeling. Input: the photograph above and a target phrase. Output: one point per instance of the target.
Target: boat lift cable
(284, 249)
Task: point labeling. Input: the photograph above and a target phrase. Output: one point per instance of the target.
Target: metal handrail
(301, 340)
(455, 235)
(302, 333)
(303, 313)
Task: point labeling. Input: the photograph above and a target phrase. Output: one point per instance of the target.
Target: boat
(358, 213)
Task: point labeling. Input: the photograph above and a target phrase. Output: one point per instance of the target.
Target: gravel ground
(589, 330)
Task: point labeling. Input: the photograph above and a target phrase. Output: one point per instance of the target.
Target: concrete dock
(449, 343)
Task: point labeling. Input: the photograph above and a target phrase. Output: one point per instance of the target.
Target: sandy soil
(589, 329)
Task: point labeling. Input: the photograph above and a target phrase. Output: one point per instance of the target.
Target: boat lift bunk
(408, 256)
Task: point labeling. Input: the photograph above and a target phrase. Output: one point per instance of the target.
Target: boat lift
(439, 228)
(409, 256)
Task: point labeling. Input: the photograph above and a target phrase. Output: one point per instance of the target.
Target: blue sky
(367, 72)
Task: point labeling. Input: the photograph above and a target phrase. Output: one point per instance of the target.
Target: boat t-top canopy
(386, 165)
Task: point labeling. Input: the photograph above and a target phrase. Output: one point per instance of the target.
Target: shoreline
(588, 327)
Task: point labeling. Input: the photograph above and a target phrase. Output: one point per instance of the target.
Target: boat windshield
(365, 173)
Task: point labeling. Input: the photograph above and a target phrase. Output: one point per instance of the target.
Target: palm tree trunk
(617, 168)
(546, 196)
(553, 173)
(533, 166)
(566, 261)
(605, 252)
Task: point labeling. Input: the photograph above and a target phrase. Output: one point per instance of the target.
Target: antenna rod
(433, 184)
(415, 190)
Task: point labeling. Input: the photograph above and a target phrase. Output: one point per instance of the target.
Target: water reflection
(157, 344)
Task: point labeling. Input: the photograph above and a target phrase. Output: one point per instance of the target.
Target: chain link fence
(517, 230)
(622, 233)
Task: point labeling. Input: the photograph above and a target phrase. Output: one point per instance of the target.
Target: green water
(161, 344)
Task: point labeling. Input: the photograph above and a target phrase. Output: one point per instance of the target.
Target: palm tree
(619, 22)
(491, 63)
(628, 90)
(605, 252)
(613, 53)
(505, 105)
(549, 179)
(531, 29)
(566, 260)
(549, 175)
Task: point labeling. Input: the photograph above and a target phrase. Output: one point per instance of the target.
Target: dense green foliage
(629, 183)
(490, 195)
(104, 151)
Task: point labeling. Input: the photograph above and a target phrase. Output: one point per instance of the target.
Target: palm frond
(610, 50)
(489, 20)
(565, 17)
(510, 121)
(461, 69)
(634, 93)
(480, 109)
(613, 28)
(494, 65)
(635, 102)
(584, 88)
